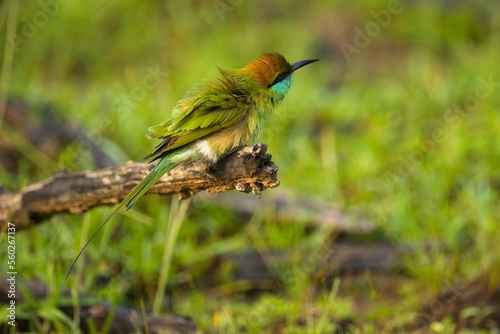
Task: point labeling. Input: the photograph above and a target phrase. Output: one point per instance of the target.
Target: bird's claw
(259, 150)
(213, 168)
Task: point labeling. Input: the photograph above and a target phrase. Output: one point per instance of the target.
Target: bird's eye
(279, 78)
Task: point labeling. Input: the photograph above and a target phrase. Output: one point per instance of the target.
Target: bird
(213, 119)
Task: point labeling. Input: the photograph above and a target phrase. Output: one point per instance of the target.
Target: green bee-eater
(215, 118)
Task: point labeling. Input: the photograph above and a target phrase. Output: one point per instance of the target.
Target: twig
(249, 169)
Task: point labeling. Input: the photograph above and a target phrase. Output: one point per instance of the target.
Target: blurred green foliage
(404, 130)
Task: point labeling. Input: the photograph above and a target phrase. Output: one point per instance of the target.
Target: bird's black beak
(302, 63)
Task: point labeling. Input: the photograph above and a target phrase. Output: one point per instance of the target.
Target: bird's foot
(258, 150)
(214, 168)
(211, 168)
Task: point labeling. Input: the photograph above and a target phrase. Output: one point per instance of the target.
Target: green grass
(394, 134)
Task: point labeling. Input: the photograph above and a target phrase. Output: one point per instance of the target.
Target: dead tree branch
(248, 169)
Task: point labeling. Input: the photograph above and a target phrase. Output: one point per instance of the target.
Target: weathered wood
(249, 169)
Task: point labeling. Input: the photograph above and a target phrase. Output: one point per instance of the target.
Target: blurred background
(387, 215)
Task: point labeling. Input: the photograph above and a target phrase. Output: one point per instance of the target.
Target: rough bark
(249, 169)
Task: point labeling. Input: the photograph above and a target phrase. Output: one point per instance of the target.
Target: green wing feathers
(209, 107)
(201, 112)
